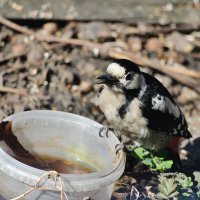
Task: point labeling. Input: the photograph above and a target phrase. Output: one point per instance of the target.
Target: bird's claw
(105, 130)
(119, 147)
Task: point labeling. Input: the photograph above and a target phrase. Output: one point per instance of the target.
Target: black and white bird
(138, 106)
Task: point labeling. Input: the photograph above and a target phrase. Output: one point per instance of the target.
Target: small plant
(178, 186)
(167, 188)
(155, 161)
(173, 186)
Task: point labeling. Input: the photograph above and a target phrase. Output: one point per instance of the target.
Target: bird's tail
(174, 148)
(174, 144)
(187, 134)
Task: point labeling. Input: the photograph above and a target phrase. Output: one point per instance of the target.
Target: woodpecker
(139, 107)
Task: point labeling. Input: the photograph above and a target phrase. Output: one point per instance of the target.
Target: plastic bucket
(65, 136)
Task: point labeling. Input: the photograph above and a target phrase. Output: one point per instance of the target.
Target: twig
(137, 193)
(192, 83)
(180, 28)
(18, 91)
(116, 53)
(180, 69)
(196, 55)
(14, 26)
(55, 46)
(12, 56)
(40, 37)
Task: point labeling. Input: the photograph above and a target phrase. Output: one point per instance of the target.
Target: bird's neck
(131, 94)
(136, 92)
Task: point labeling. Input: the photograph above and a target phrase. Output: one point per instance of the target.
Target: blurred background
(52, 51)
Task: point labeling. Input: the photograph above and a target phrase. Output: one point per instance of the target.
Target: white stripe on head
(116, 70)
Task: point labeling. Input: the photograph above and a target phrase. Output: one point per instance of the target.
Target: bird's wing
(161, 111)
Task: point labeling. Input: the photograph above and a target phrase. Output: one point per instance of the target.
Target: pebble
(93, 30)
(49, 28)
(18, 49)
(67, 77)
(144, 28)
(36, 55)
(187, 95)
(86, 86)
(178, 42)
(135, 44)
(33, 71)
(154, 45)
(165, 80)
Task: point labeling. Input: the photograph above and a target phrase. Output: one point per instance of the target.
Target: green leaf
(154, 160)
(162, 196)
(184, 181)
(174, 194)
(167, 164)
(140, 152)
(185, 194)
(148, 162)
(161, 164)
(168, 187)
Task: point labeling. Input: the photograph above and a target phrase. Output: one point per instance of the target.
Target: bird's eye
(129, 77)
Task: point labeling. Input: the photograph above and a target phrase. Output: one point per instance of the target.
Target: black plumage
(157, 120)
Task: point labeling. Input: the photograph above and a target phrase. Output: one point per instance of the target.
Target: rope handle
(42, 179)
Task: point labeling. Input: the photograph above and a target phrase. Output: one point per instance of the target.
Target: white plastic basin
(65, 136)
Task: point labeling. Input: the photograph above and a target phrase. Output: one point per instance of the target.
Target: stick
(14, 26)
(12, 56)
(18, 91)
(40, 37)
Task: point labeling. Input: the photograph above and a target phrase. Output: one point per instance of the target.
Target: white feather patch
(116, 70)
(109, 103)
(164, 104)
(134, 120)
(143, 87)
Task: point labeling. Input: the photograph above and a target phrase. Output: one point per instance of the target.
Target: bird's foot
(105, 130)
(119, 147)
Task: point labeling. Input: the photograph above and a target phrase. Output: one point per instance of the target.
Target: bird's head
(122, 75)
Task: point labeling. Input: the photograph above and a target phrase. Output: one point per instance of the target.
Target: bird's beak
(104, 78)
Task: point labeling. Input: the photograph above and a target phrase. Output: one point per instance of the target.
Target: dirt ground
(36, 74)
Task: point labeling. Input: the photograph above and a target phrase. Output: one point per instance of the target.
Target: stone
(154, 45)
(179, 42)
(86, 86)
(50, 27)
(187, 95)
(135, 44)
